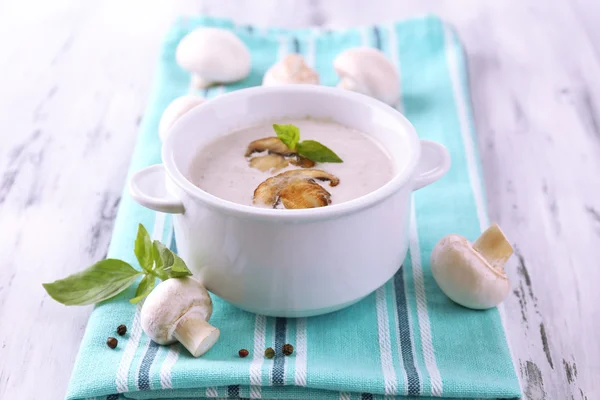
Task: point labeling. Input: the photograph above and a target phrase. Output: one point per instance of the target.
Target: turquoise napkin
(406, 339)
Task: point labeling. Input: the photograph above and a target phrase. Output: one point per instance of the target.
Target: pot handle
(434, 163)
(148, 188)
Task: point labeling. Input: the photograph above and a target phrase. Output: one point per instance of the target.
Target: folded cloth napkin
(405, 340)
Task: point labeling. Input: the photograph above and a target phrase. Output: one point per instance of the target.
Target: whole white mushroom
(175, 110)
(178, 309)
(367, 70)
(292, 69)
(473, 275)
(213, 55)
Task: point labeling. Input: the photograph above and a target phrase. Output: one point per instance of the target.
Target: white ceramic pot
(290, 263)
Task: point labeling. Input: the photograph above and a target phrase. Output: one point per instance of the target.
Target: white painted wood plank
(74, 84)
(534, 103)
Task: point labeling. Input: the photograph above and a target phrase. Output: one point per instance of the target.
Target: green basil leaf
(288, 134)
(317, 152)
(158, 262)
(143, 248)
(159, 255)
(144, 288)
(164, 256)
(179, 269)
(172, 265)
(101, 281)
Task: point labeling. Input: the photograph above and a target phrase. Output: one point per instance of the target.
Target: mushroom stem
(348, 83)
(199, 83)
(494, 247)
(195, 334)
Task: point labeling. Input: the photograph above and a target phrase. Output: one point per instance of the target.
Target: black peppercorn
(287, 349)
(121, 330)
(269, 352)
(112, 342)
(243, 353)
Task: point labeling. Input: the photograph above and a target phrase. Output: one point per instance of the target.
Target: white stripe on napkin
(397, 334)
(211, 392)
(128, 353)
(385, 344)
(169, 236)
(310, 50)
(301, 352)
(173, 352)
(365, 35)
(424, 325)
(345, 396)
(258, 356)
(283, 48)
(167, 366)
(463, 120)
(136, 328)
(394, 56)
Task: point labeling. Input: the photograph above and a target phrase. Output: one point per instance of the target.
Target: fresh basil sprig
(102, 280)
(311, 149)
(317, 152)
(109, 277)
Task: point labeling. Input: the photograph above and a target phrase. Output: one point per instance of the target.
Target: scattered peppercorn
(121, 330)
(112, 342)
(287, 349)
(269, 352)
(243, 353)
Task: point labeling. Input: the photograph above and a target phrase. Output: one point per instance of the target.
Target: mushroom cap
(304, 194)
(271, 144)
(215, 55)
(268, 191)
(290, 70)
(465, 276)
(367, 70)
(269, 162)
(175, 110)
(168, 302)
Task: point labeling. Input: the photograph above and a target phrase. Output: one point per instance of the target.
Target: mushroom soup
(253, 166)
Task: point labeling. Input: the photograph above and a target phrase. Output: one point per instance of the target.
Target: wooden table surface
(74, 82)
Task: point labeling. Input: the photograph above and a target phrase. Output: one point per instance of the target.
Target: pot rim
(400, 179)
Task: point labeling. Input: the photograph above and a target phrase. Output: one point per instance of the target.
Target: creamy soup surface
(221, 169)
